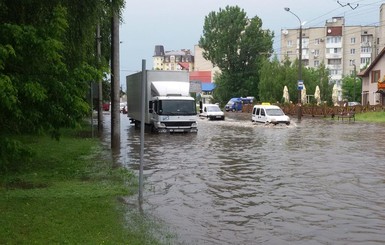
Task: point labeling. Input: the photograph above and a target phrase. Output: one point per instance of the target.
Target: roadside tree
(47, 61)
(238, 46)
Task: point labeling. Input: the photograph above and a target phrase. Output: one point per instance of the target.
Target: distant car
(123, 107)
(236, 104)
(353, 103)
(212, 112)
(269, 114)
(106, 106)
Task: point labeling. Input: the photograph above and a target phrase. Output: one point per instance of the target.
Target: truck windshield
(177, 107)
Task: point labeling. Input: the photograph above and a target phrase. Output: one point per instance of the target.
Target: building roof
(184, 65)
(366, 72)
(203, 76)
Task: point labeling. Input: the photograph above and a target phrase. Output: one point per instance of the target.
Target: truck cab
(173, 114)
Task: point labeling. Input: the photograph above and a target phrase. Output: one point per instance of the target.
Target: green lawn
(69, 194)
(376, 117)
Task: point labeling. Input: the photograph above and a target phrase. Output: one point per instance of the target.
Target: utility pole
(354, 85)
(115, 78)
(100, 88)
(299, 111)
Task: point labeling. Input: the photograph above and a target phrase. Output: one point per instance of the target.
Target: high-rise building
(341, 48)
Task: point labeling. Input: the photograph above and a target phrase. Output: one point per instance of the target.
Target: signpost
(300, 84)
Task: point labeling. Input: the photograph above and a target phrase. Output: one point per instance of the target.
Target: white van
(212, 112)
(269, 114)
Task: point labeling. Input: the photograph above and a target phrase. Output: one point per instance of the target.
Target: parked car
(353, 103)
(212, 112)
(269, 114)
(236, 104)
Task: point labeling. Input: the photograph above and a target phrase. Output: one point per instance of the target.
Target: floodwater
(235, 182)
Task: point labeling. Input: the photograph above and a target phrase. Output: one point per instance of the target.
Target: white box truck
(168, 105)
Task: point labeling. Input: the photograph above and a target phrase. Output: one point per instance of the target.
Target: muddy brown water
(235, 182)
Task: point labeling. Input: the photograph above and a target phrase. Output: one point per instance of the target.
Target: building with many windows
(172, 60)
(341, 48)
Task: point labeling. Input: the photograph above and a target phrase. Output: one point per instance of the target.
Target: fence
(321, 111)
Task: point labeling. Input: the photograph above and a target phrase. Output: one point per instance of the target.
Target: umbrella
(286, 94)
(303, 95)
(335, 94)
(317, 95)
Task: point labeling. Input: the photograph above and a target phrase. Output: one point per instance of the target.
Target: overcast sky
(178, 24)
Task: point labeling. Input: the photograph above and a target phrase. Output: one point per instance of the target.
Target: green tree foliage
(276, 75)
(237, 45)
(47, 61)
(351, 88)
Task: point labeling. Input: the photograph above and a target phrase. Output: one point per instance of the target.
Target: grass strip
(69, 194)
(376, 117)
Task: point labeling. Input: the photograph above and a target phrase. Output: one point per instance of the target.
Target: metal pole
(354, 85)
(100, 89)
(142, 118)
(115, 80)
(299, 111)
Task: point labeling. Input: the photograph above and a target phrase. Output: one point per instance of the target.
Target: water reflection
(318, 182)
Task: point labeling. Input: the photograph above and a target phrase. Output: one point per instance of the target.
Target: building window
(365, 39)
(334, 51)
(334, 62)
(366, 50)
(316, 41)
(352, 51)
(316, 52)
(289, 43)
(365, 61)
(351, 62)
(316, 63)
(375, 76)
(333, 39)
(352, 40)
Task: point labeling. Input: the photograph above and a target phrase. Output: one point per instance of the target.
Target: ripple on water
(236, 182)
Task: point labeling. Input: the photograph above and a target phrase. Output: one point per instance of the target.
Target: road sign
(300, 84)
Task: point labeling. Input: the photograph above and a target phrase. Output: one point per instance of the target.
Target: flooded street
(235, 182)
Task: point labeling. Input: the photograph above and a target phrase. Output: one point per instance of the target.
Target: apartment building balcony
(365, 55)
(305, 56)
(334, 67)
(333, 45)
(333, 56)
(336, 77)
(365, 44)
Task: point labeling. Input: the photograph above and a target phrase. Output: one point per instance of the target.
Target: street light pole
(299, 111)
(354, 85)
